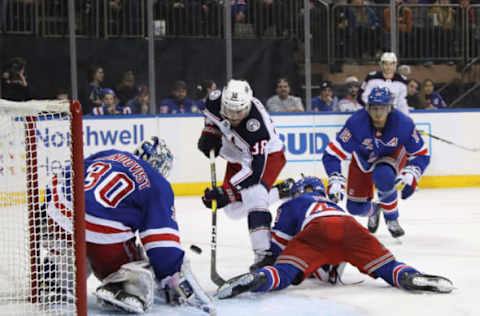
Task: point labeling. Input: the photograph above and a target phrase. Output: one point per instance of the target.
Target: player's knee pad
(383, 176)
(359, 208)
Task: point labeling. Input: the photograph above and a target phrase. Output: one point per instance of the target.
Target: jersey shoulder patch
(215, 94)
(253, 125)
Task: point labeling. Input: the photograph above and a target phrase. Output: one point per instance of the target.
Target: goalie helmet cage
(42, 265)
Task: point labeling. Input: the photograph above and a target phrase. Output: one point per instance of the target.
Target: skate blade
(433, 284)
(110, 301)
(228, 289)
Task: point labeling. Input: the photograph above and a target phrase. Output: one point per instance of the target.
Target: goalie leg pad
(129, 289)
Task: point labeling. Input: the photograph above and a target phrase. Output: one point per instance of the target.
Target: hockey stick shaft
(214, 276)
(448, 142)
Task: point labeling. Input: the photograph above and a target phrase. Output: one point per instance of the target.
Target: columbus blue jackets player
(240, 130)
(126, 194)
(311, 231)
(379, 139)
(387, 77)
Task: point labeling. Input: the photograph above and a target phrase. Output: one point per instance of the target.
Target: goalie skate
(241, 284)
(112, 295)
(426, 283)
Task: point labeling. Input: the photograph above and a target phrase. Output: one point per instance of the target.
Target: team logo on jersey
(345, 135)
(215, 94)
(253, 125)
(368, 143)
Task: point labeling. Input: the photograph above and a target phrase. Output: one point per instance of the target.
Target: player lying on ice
(311, 231)
(126, 194)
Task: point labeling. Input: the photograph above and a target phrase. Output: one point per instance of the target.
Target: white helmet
(388, 56)
(236, 96)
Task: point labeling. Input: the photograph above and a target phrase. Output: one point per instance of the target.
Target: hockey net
(42, 268)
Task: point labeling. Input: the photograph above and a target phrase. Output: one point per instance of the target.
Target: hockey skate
(241, 284)
(395, 229)
(374, 220)
(262, 258)
(112, 296)
(284, 188)
(423, 282)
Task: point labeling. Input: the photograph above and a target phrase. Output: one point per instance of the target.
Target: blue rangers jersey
(295, 214)
(248, 144)
(124, 195)
(359, 138)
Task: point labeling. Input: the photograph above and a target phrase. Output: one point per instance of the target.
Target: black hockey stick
(449, 142)
(214, 276)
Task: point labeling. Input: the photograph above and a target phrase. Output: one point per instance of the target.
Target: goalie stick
(449, 142)
(214, 276)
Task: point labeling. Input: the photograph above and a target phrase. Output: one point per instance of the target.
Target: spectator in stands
(126, 88)
(109, 105)
(140, 104)
(350, 103)
(326, 101)
(95, 88)
(433, 100)
(419, 43)
(62, 94)
(413, 97)
(283, 101)
(443, 22)
(363, 29)
(178, 102)
(404, 27)
(239, 13)
(203, 90)
(15, 86)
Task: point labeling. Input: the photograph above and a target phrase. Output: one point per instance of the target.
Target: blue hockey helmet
(156, 153)
(380, 96)
(314, 183)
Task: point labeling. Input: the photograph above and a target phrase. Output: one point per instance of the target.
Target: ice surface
(442, 237)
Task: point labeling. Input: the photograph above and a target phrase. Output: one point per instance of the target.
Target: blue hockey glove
(336, 187)
(408, 180)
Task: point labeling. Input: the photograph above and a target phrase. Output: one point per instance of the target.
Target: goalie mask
(314, 183)
(236, 101)
(156, 153)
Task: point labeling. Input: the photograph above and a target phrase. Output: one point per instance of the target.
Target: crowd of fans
(128, 97)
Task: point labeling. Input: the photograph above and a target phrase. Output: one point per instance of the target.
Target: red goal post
(42, 268)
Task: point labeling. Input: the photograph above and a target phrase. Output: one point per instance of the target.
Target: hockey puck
(196, 249)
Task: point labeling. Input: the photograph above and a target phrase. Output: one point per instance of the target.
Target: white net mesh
(37, 262)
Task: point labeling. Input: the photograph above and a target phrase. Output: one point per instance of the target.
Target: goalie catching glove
(211, 138)
(408, 180)
(336, 187)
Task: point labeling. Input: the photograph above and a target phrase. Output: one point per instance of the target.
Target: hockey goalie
(133, 244)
